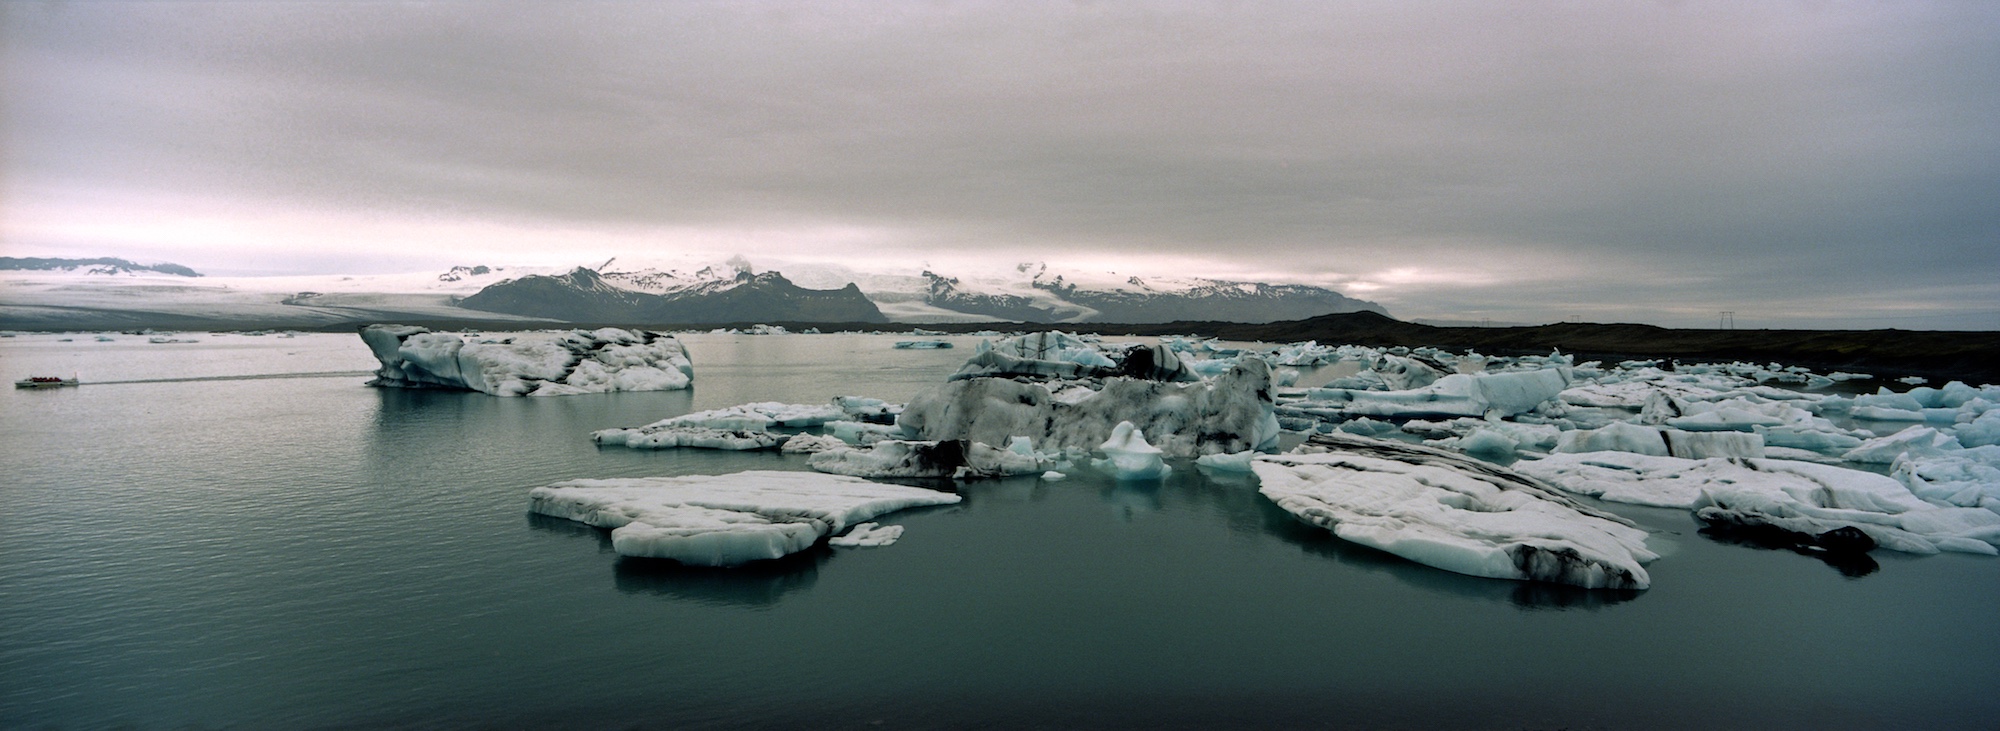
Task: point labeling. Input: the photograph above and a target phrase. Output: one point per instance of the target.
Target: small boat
(45, 382)
(922, 344)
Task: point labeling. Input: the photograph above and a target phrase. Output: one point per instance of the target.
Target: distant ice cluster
(1467, 463)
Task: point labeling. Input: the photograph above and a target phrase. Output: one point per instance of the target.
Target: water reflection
(758, 584)
(1851, 564)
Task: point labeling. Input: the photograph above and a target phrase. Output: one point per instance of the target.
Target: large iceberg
(530, 364)
(1444, 510)
(1230, 413)
(725, 520)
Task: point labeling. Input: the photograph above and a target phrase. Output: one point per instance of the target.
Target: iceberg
(536, 364)
(725, 520)
(1230, 413)
(1447, 511)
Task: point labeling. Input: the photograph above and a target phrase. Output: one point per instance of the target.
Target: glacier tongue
(726, 520)
(535, 364)
(1447, 511)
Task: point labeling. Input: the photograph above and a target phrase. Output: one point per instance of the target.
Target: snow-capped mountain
(808, 292)
(101, 266)
(1035, 293)
(66, 293)
(585, 295)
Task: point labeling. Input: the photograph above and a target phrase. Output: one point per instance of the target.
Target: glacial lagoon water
(200, 548)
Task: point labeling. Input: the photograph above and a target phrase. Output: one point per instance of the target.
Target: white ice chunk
(1620, 436)
(868, 535)
(1453, 513)
(1623, 477)
(1966, 478)
(1882, 413)
(1053, 475)
(1981, 430)
(725, 520)
(1824, 441)
(1920, 441)
(1232, 462)
(1127, 456)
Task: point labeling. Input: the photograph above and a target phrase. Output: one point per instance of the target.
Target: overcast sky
(1797, 163)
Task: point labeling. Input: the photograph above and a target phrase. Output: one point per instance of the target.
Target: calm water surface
(306, 552)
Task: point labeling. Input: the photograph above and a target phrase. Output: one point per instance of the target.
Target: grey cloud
(1769, 145)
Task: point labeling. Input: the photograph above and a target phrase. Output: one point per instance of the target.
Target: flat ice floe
(529, 364)
(1798, 497)
(726, 520)
(1444, 510)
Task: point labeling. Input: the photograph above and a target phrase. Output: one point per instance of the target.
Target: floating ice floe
(531, 364)
(725, 520)
(868, 535)
(1444, 510)
(1798, 497)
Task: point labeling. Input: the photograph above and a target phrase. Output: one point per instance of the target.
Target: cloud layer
(1797, 163)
